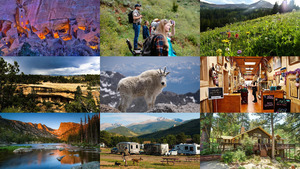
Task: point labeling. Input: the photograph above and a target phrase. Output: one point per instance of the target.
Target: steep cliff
(57, 27)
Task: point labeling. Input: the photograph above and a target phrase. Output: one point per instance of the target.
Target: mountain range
(109, 96)
(256, 5)
(39, 130)
(144, 127)
(188, 128)
(158, 129)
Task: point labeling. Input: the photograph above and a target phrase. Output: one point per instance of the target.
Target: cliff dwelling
(50, 28)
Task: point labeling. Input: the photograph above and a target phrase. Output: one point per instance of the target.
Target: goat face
(163, 80)
(162, 75)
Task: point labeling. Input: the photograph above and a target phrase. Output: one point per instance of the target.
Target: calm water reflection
(46, 159)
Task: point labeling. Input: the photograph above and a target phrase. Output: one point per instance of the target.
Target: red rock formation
(49, 20)
(67, 128)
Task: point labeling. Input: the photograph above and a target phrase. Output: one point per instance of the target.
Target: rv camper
(133, 147)
(191, 149)
(156, 149)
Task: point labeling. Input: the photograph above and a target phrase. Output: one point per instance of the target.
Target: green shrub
(227, 157)
(239, 156)
(257, 158)
(247, 144)
(278, 159)
(174, 7)
(240, 167)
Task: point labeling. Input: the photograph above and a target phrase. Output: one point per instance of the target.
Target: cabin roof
(227, 137)
(254, 129)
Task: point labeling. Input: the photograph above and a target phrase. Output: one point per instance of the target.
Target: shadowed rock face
(57, 27)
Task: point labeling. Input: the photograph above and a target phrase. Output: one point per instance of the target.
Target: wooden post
(289, 153)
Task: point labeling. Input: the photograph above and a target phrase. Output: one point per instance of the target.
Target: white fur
(148, 85)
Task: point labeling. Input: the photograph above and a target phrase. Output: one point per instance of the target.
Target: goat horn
(165, 70)
(160, 71)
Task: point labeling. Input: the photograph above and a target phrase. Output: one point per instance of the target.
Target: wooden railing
(226, 146)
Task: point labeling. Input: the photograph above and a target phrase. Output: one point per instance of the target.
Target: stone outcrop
(60, 158)
(106, 108)
(57, 93)
(40, 130)
(67, 128)
(89, 165)
(190, 107)
(50, 28)
(22, 150)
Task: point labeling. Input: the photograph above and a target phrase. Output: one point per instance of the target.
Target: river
(44, 156)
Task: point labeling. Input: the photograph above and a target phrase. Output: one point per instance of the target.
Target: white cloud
(175, 79)
(91, 66)
(129, 117)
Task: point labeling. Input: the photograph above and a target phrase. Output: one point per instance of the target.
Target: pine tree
(275, 8)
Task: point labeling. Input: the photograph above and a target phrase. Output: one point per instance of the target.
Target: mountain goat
(148, 84)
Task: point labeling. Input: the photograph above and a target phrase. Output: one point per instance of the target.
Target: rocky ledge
(89, 165)
(40, 28)
(23, 150)
(106, 108)
(188, 108)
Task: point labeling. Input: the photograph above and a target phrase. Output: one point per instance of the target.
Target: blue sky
(184, 76)
(128, 118)
(51, 120)
(244, 1)
(57, 65)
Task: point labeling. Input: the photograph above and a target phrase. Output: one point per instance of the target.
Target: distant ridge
(256, 5)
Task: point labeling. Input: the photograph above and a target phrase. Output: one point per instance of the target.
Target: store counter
(231, 103)
(267, 101)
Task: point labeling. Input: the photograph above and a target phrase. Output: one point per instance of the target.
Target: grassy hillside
(190, 128)
(115, 29)
(152, 127)
(274, 35)
(123, 131)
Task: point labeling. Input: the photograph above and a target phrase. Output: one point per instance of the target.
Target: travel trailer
(133, 147)
(191, 149)
(156, 149)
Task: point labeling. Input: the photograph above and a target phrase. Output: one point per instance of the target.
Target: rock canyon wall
(50, 28)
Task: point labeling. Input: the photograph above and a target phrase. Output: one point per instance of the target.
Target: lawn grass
(108, 160)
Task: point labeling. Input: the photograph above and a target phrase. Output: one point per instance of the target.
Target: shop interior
(228, 84)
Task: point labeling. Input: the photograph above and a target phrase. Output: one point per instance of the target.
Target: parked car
(172, 152)
(114, 150)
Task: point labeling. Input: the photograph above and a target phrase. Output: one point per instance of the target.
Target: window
(191, 148)
(204, 78)
(257, 134)
(186, 148)
(137, 146)
(198, 148)
(131, 147)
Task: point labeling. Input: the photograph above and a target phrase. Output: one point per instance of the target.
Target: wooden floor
(253, 107)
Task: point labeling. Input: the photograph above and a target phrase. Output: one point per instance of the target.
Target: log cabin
(263, 143)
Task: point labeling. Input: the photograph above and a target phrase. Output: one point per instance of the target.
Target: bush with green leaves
(278, 159)
(247, 144)
(239, 156)
(227, 157)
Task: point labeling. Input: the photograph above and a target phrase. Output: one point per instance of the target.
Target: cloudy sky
(51, 120)
(184, 71)
(128, 118)
(245, 1)
(57, 65)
